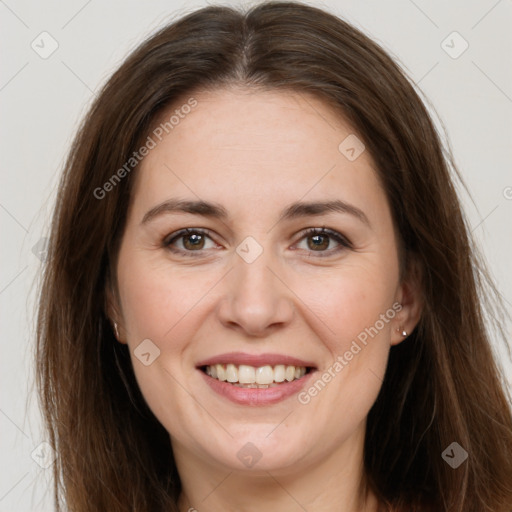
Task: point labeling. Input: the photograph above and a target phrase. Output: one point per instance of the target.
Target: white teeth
(250, 377)
(246, 374)
(264, 375)
(231, 373)
(279, 373)
(221, 372)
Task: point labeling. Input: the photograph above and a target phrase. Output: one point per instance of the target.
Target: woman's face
(249, 289)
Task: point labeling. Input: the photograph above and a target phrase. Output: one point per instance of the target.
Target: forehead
(243, 119)
(253, 146)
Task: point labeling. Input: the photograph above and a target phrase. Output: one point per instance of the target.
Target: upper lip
(255, 360)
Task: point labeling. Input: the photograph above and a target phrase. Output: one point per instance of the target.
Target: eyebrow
(217, 211)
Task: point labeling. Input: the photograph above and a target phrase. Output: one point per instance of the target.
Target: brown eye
(318, 242)
(187, 241)
(320, 239)
(193, 241)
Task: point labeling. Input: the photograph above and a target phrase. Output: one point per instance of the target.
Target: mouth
(256, 379)
(251, 377)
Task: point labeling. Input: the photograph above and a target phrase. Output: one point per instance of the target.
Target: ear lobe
(410, 296)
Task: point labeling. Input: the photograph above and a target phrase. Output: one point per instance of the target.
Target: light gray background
(42, 101)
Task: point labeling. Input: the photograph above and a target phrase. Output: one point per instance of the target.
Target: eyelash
(338, 237)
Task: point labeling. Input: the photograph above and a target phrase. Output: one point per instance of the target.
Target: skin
(255, 153)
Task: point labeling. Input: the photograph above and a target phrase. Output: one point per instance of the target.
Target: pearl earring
(403, 332)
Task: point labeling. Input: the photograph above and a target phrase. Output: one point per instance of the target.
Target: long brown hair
(442, 385)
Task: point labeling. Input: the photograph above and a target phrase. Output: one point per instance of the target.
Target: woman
(261, 291)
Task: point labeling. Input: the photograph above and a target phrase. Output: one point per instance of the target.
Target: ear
(410, 296)
(113, 311)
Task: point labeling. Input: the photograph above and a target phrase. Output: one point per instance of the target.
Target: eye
(190, 239)
(319, 239)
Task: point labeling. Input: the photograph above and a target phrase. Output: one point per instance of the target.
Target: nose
(257, 300)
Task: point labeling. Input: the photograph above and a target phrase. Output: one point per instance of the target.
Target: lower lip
(255, 396)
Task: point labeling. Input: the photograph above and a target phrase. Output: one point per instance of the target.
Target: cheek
(354, 308)
(158, 305)
(166, 306)
(349, 301)
(346, 387)
(155, 299)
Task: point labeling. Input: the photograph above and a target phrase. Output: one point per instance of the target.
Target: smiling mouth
(262, 377)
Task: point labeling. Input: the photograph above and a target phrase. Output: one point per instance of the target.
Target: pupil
(321, 246)
(194, 240)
